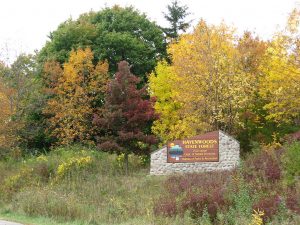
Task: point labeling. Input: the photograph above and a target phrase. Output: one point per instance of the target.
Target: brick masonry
(229, 157)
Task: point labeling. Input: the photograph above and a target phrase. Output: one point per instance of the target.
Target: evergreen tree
(176, 17)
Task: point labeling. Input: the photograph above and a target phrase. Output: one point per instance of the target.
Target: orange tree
(76, 91)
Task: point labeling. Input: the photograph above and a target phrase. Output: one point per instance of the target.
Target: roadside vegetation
(81, 184)
(80, 117)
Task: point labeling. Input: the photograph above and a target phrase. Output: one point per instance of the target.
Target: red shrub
(293, 137)
(194, 202)
(195, 192)
(272, 170)
(269, 205)
(293, 201)
(213, 199)
(166, 207)
(265, 165)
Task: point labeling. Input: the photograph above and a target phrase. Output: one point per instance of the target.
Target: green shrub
(291, 163)
(242, 200)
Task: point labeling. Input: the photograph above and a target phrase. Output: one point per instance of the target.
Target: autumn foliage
(205, 86)
(212, 79)
(111, 81)
(245, 86)
(195, 193)
(76, 90)
(123, 122)
(7, 125)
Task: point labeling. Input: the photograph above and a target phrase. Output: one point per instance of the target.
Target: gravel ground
(2, 222)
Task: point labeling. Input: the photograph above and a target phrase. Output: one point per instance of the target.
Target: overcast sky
(25, 24)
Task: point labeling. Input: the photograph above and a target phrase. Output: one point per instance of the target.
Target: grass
(26, 220)
(38, 220)
(64, 186)
(78, 185)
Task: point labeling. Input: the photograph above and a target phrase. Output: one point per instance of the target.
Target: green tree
(113, 34)
(22, 87)
(21, 78)
(176, 16)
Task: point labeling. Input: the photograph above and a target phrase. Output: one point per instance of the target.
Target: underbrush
(81, 184)
(90, 187)
(255, 193)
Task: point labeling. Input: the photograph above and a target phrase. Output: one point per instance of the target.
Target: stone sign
(208, 152)
(202, 148)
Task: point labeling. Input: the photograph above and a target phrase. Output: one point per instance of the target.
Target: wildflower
(257, 217)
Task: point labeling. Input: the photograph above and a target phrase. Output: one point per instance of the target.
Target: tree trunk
(126, 163)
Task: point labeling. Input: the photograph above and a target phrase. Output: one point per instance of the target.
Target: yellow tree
(210, 85)
(77, 90)
(252, 50)
(172, 124)
(280, 85)
(280, 81)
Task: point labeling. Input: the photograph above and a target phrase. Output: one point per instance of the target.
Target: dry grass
(66, 187)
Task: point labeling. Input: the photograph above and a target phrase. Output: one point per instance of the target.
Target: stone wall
(229, 156)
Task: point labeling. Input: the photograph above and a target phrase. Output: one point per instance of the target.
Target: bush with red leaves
(166, 207)
(293, 201)
(194, 193)
(264, 164)
(213, 199)
(263, 172)
(269, 205)
(293, 137)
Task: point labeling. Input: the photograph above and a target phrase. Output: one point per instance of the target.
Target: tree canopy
(75, 94)
(176, 16)
(80, 87)
(123, 122)
(113, 34)
(205, 64)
